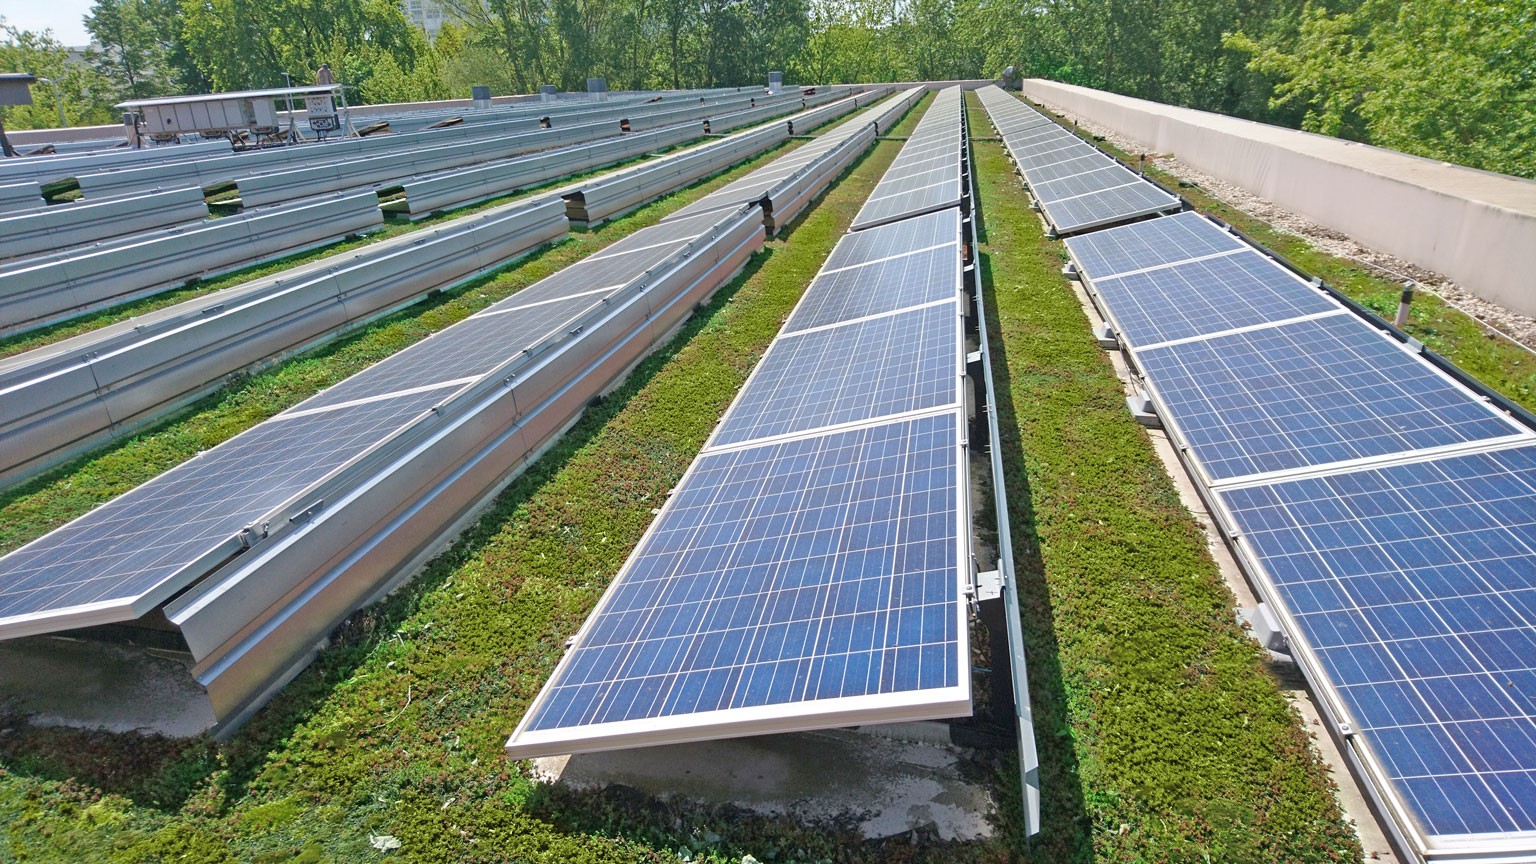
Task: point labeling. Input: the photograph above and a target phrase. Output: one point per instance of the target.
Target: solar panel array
(1077, 186)
(808, 569)
(1388, 510)
(130, 554)
(760, 182)
(925, 175)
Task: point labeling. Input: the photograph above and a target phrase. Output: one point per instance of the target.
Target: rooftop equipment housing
(225, 114)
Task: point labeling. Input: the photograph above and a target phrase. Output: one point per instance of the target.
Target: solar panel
(907, 361)
(1062, 147)
(1077, 186)
(896, 239)
(494, 335)
(1206, 296)
(925, 175)
(810, 581)
(129, 553)
(1066, 168)
(806, 571)
(1098, 178)
(1309, 393)
(1022, 123)
(1106, 206)
(760, 182)
(940, 194)
(1152, 243)
(1412, 589)
(907, 280)
(124, 558)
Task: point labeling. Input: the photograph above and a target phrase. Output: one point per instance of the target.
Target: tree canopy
(1448, 79)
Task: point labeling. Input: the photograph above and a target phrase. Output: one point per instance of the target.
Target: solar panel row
(127, 556)
(1259, 371)
(1386, 509)
(1412, 588)
(925, 176)
(1077, 186)
(760, 182)
(808, 569)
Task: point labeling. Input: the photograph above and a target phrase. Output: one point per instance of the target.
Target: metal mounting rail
(1029, 759)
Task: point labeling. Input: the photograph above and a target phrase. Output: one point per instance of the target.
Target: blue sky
(63, 17)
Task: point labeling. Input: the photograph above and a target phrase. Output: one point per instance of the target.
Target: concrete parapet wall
(1475, 227)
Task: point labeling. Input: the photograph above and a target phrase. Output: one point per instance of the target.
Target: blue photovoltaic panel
(131, 546)
(925, 175)
(1022, 137)
(897, 238)
(1309, 393)
(895, 283)
(1133, 198)
(942, 193)
(814, 569)
(1153, 243)
(471, 348)
(1096, 178)
(760, 182)
(1077, 185)
(1414, 587)
(874, 368)
(1072, 167)
(1199, 298)
(1064, 147)
(500, 332)
(146, 544)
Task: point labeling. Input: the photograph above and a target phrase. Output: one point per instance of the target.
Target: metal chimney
(775, 83)
(597, 89)
(481, 94)
(547, 92)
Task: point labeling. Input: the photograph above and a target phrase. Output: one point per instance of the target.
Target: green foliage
(85, 95)
(1447, 79)
(356, 37)
(137, 44)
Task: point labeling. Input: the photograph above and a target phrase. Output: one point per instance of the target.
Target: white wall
(1475, 227)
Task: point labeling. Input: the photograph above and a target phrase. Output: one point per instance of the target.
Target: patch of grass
(47, 501)
(1446, 330)
(1162, 737)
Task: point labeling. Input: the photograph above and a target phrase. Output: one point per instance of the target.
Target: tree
(295, 36)
(84, 94)
(1447, 79)
(678, 18)
(129, 51)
